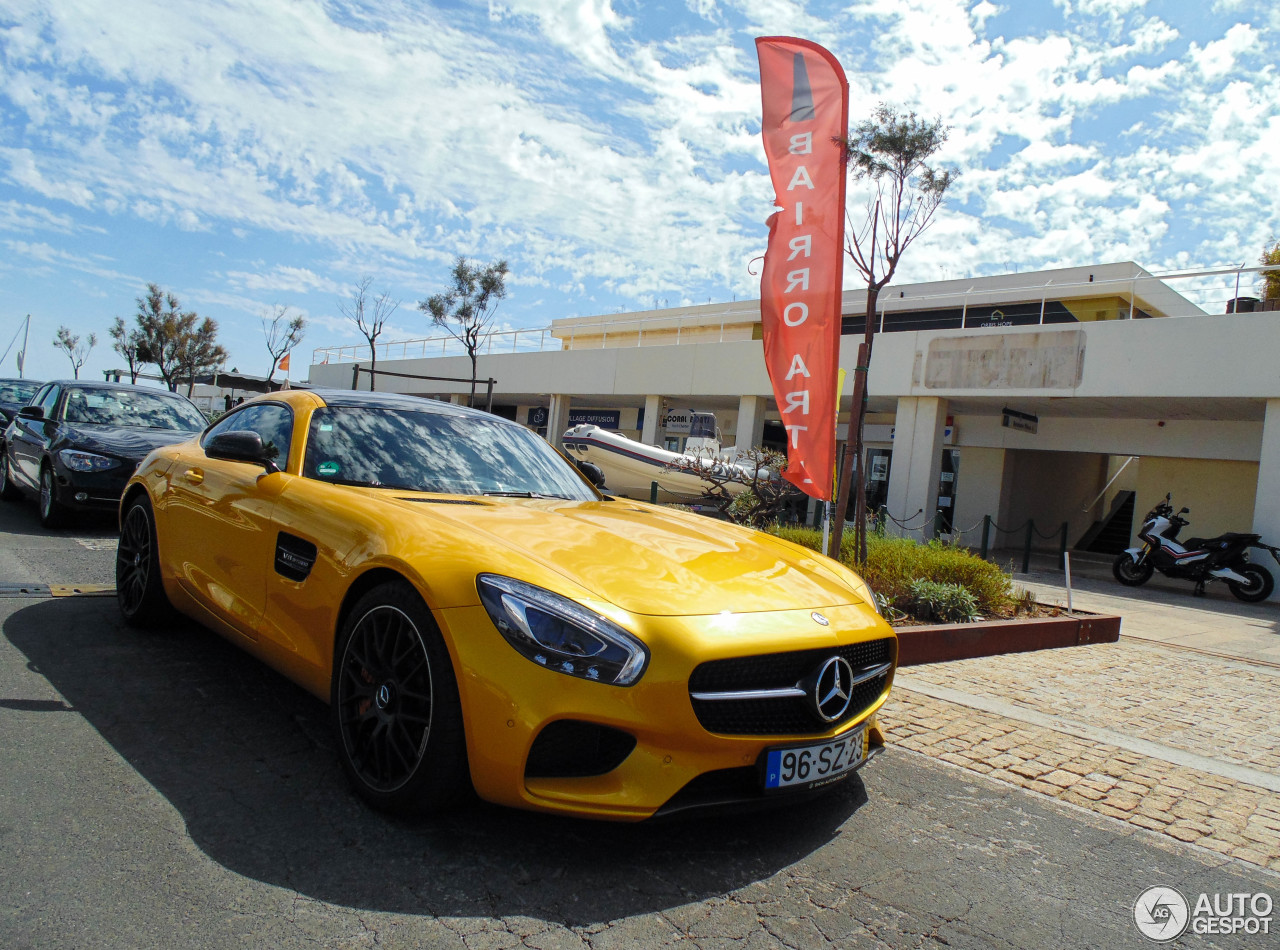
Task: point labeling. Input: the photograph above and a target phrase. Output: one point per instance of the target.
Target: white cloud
(1215, 60)
(612, 154)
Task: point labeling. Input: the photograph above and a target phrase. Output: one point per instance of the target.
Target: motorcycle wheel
(1259, 587)
(1130, 574)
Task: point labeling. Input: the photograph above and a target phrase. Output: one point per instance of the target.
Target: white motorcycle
(1202, 560)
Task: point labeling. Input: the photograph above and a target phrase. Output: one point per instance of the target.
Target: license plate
(811, 765)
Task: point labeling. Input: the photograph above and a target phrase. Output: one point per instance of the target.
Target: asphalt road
(166, 791)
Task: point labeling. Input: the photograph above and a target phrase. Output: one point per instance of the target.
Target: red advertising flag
(806, 107)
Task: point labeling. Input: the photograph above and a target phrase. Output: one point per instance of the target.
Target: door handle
(194, 475)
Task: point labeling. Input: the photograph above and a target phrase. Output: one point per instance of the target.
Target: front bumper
(96, 491)
(507, 701)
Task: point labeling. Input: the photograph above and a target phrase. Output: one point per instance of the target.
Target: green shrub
(945, 603)
(894, 564)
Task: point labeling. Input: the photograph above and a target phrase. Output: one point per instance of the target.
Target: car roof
(115, 387)
(342, 398)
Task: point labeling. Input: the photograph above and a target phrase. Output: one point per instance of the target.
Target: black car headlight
(555, 632)
(80, 461)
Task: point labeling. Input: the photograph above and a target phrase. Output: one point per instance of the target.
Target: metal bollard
(986, 535)
(1026, 550)
(653, 493)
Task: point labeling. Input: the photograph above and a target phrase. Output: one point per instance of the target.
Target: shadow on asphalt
(21, 518)
(246, 759)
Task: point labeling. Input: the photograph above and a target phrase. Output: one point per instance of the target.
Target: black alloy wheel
(52, 512)
(8, 491)
(1260, 585)
(394, 705)
(139, 590)
(1131, 574)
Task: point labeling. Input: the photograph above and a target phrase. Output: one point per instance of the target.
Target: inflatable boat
(631, 467)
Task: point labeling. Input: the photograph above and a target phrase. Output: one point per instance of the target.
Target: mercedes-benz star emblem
(384, 696)
(818, 618)
(832, 690)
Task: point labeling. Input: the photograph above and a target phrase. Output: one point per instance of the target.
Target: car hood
(649, 561)
(129, 442)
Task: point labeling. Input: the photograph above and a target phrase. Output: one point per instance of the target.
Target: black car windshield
(129, 407)
(435, 452)
(17, 392)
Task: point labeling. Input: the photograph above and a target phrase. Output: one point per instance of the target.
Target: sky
(247, 156)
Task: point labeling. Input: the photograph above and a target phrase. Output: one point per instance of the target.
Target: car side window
(48, 400)
(272, 421)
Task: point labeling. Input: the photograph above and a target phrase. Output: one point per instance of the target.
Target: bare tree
(283, 333)
(765, 494)
(891, 152)
(76, 351)
(370, 315)
(467, 308)
(177, 341)
(128, 343)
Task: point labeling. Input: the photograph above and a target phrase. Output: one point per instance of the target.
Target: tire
(1130, 574)
(394, 707)
(53, 514)
(8, 491)
(139, 590)
(1259, 587)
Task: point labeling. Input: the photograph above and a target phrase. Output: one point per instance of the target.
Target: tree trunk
(853, 446)
(472, 401)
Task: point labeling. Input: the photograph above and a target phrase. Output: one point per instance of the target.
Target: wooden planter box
(941, 643)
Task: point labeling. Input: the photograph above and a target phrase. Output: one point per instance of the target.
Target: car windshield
(435, 452)
(139, 408)
(17, 392)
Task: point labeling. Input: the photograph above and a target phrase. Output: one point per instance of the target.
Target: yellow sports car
(478, 615)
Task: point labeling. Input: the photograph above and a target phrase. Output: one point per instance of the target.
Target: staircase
(1111, 534)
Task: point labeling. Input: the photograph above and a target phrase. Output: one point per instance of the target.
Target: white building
(1118, 388)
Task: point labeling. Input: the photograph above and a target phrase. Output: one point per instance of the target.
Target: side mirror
(594, 473)
(1184, 511)
(31, 412)
(241, 446)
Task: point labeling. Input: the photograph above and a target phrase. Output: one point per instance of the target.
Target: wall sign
(604, 418)
(679, 420)
(1022, 421)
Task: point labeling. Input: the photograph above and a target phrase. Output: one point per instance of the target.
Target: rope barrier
(903, 524)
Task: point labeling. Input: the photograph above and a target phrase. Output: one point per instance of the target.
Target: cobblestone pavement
(1177, 742)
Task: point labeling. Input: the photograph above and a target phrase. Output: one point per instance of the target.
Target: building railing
(733, 324)
(1199, 292)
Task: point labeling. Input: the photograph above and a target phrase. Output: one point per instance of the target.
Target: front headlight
(79, 461)
(555, 632)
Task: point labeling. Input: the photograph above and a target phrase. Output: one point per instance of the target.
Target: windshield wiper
(522, 494)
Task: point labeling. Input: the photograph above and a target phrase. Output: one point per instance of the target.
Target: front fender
(1135, 553)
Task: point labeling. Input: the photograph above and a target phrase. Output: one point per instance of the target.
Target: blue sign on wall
(604, 418)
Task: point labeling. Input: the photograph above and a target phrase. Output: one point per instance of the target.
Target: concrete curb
(942, 643)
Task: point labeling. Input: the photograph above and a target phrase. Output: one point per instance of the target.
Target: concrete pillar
(750, 423)
(557, 419)
(1266, 505)
(652, 410)
(917, 462)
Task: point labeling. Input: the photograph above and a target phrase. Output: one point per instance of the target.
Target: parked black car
(14, 394)
(76, 444)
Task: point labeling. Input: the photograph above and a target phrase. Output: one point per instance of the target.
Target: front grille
(792, 715)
